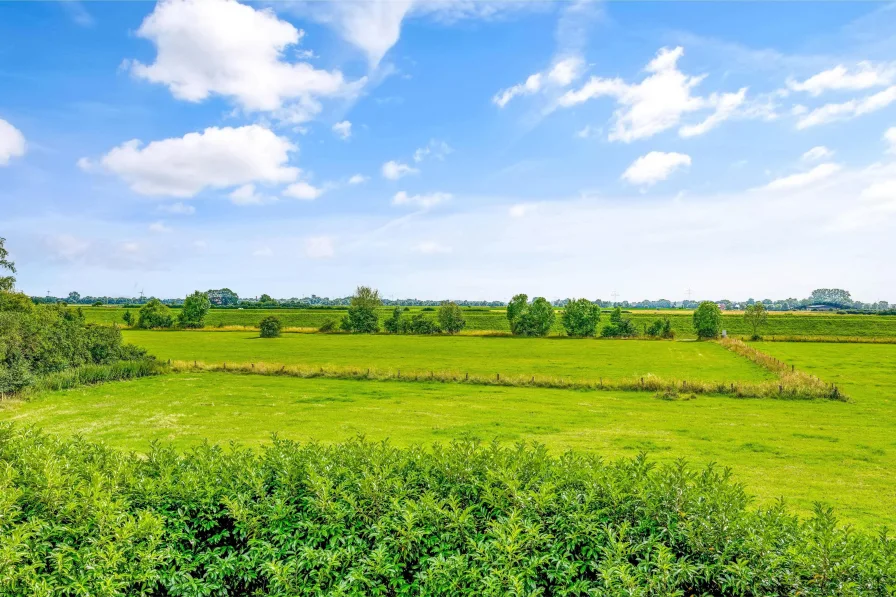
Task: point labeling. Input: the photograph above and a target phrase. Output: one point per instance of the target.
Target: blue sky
(451, 148)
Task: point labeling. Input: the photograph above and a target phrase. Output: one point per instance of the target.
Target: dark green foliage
(451, 317)
(50, 339)
(708, 320)
(530, 319)
(154, 314)
(661, 328)
(15, 301)
(417, 324)
(192, 314)
(370, 519)
(580, 318)
(128, 318)
(270, 327)
(363, 315)
(7, 283)
(619, 326)
(330, 325)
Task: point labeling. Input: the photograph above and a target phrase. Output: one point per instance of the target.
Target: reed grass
(790, 387)
(90, 375)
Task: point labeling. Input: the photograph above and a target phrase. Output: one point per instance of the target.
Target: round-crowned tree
(270, 327)
(194, 310)
(451, 318)
(708, 320)
(580, 317)
(362, 316)
(154, 314)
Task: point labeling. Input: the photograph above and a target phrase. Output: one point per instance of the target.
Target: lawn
(481, 320)
(574, 358)
(840, 453)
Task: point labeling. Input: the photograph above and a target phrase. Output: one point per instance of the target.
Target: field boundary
(784, 388)
(832, 339)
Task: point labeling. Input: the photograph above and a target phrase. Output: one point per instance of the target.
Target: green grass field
(484, 320)
(840, 453)
(574, 358)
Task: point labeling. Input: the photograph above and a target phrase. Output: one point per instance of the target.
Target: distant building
(820, 308)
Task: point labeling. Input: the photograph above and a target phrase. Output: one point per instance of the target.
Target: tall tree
(194, 310)
(756, 316)
(530, 319)
(451, 318)
(580, 317)
(7, 283)
(362, 316)
(708, 320)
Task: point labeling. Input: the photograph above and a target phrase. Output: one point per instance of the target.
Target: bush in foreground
(369, 519)
(270, 327)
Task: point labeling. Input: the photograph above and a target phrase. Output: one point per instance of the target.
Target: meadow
(840, 453)
(482, 320)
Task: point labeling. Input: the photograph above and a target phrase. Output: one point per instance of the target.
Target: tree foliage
(154, 314)
(363, 316)
(661, 328)
(451, 317)
(619, 326)
(530, 319)
(708, 320)
(270, 327)
(192, 314)
(756, 316)
(580, 318)
(7, 283)
(833, 297)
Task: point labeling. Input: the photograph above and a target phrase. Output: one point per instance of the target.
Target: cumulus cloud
(818, 153)
(343, 129)
(12, 142)
(839, 78)
(319, 247)
(222, 47)
(847, 110)
(659, 101)
(303, 190)
(160, 228)
(215, 158)
(804, 179)
(435, 149)
(424, 201)
(890, 137)
(357, 179)
(394, 170)
(650, 169)
(179, 209)
(561, 74)
(247, 195)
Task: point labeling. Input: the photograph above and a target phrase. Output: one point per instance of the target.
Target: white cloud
(319, 247)
(394, 170)
(865, 76)
(12, 142)
(303, 190)
(263, 252)
(160, 227)
(890, 137)
(848, 110)
(247, 195)
(180, 209)
(358, 179)
(216, 158)
(588, 132)
(222, 47)
(883, 191)
(661, 100)
(521, 210)
(343, 129)
(434, 149)
(817, 154)
(424, 201)
(655, 166)
(561, 74)
(804, 179)
(432, 248)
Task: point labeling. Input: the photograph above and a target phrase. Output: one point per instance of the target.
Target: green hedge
(369, 519)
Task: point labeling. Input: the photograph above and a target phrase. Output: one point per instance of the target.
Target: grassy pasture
(481, 320)
(582, 359)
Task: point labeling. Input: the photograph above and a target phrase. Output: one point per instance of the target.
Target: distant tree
(756, 316)
(192, 314)
(270, 327)
(362, 316)
(265, 298)
(154, 314)
(530, 319)
(7, 283)
(708, 320)
(128, 318)
(451, 317)
(73, 298)
(619, 326)
(580, 317)
(420, 324)
(834, 297)
(661, 328)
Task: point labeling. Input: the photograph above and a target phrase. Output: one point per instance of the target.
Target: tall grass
(793, 388)
(94, 374)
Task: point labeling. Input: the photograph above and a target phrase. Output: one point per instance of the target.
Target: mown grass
(558, 358)
(843, 454)
(779, 324)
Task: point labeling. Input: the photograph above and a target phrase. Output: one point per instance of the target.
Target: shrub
(196, 306)
(419, 324)
(362, 316)
(580, 318)
(395, 324)
(363, 518)
(270, 327)
(708, 320)
(619, 326)
(530, 319)
(451, 317)
(329, 326)
(661, 328)
(128, 318)
(154, 315)
(756, 316)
